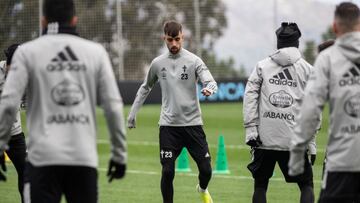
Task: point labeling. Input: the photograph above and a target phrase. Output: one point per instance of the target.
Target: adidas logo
(283, 78)
(66, 60)
(207, 155)
(351, 77)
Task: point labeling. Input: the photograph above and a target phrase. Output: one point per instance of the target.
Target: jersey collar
(177, 55)
(56, 28)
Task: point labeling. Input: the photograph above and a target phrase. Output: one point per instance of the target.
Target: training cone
(221, 159)
(183, 162)
(6, 157)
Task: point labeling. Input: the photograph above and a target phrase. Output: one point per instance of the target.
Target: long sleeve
(316, 94)
(14, 88)
(251, 104)
(312, 144)
(110, 100)
(205, 76)
(144, 91)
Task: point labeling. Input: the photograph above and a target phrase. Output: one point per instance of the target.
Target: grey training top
(66, 77)
(336, 79)
(178, 76)
(272, 98)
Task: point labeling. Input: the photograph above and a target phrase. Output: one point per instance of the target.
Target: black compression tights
(307, 192)
(260, 188)
(17, 154)
(167, 177)
(168, 174)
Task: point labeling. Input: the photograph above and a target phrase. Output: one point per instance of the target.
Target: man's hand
(206, 92)
(312, 159)
(131, 122)
(252, 137)
(116, 171)
(254, 143)
(2, 166)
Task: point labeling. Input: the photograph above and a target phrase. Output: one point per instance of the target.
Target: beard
(174, 50)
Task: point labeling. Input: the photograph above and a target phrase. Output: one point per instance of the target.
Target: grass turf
(142, 182)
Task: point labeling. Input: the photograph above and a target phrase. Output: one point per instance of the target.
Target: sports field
(142, 181)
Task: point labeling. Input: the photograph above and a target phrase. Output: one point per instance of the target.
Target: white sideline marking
(145, 143)
(195, 175)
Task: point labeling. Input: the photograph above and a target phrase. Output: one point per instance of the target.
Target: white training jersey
(66, 77)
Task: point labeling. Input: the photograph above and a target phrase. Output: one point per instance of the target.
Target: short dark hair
(61, 11)
(172, 28)
(347, 14)
(9, 52)
(328, 43)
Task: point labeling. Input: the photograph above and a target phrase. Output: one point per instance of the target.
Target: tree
(142, 23)
(328, 34)
(16, 24)
(143, 30)
(310, 51)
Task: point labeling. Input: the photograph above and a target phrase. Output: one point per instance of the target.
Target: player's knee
(168, 172)
(261, 184)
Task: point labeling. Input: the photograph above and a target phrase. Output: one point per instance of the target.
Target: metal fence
(130, 30)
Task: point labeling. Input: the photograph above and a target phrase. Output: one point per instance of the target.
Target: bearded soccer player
(178, 72)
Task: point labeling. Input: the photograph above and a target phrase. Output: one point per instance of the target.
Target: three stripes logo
(351, 77)
(283, 78)
(66, 60)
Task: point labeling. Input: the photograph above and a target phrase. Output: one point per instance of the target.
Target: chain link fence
(130, 30)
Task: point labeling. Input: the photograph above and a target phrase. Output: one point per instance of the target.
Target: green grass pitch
(142, 182)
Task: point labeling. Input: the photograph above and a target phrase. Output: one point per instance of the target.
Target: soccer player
(66, 77)
(17, 144)
(178, 72)
(271, 102)
(336, 79)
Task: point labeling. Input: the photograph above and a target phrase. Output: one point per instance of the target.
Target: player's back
(62, 94)
(284, 75)
(340, 63)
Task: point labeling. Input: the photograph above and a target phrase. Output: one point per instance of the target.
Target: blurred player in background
(17, 144)
(271, 103)
(336, 79)
(178, 72)
(66, 78)
(326, 44)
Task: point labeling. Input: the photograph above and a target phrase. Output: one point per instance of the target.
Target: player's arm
(109, 98)
(251, 107)
(316, 94)
(206, 79)
(141, 95)
(312, 149)
(14, 88)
